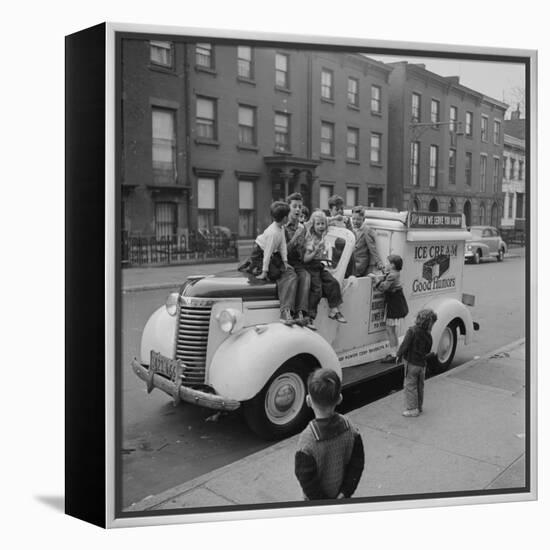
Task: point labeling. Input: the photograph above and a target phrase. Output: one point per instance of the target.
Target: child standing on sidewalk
(330, 456)
(396, 304)
(415, 348)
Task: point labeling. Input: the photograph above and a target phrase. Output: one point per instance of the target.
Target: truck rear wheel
(446, 349)
(280, 409)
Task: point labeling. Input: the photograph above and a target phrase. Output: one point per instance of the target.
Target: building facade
(446, 144)
(514, 178)
(213, 133)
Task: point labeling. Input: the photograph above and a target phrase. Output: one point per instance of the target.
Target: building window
(353, 144)
(484, 128)
(206, 118)
(244, 62)
(452, 206)
(482, 214)
(434, 111)
(375, 196)
(469, 123)
(434, 161)
(467, 210)
(415, 163)
(204, 55)
(327, 86)
(161, 53)
(247, 221)
(281, 70)
(352, 196)
(494, 215)
(325, 191)
(496, 132)
(452, 166)
(376, 148)
(496, 174)
(206, 193)
(282, 132)
(247, 125)
(433, 206)
(353, 92)
(511, 205)
(468, 169)
(165, 220)
(521, 170)
(376, 99)
(415, 107)
(327, 139)
(453, 117)
(164, 145)
(483, 173)
(512, 169)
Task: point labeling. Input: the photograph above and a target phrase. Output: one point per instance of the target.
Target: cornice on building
(449, 83)
(514, 142)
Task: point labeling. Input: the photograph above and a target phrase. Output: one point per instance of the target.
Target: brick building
(446, 144)
(212, 133)
(513, 185)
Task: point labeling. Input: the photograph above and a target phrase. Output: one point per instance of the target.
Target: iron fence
(513, 236)
(199, 246)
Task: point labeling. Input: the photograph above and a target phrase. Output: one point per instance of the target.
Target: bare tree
(515, 97)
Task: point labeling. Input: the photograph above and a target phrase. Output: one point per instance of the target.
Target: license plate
(172, 368)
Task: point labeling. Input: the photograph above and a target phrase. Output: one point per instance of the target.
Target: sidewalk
(471, 436)
(171, 277)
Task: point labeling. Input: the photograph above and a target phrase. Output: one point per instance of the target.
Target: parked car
(486, 242)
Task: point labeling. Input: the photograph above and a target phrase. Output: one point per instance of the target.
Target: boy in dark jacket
(415, 349)
(330, 456)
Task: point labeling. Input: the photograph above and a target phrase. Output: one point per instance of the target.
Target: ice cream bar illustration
(436, 267)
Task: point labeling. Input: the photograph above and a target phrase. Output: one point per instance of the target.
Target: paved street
(164, 446)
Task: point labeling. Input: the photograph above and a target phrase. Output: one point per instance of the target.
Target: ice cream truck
(218, 342)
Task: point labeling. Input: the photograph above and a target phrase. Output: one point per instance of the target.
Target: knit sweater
(330, 458)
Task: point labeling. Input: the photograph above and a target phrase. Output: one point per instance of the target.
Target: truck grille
(192, 341)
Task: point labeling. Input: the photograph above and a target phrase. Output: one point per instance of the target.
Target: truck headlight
(172, 303)
(468, 247)
(229, 319)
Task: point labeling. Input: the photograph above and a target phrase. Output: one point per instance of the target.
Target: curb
(151, 501)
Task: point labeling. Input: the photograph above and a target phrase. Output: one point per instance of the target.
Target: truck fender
(246, 360)
(448, 309)
(155, 335)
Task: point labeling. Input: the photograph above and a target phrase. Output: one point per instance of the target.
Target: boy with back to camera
(330, 457)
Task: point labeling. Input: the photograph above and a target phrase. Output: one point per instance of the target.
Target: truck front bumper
(182, 393)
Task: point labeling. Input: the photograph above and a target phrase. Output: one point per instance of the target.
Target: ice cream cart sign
(434, 267)
(377, 319)
(435, 220)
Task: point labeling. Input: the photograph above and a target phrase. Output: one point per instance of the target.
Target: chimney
(516, 115)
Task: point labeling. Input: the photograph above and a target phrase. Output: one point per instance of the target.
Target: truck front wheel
(280, 409)
(445, 351)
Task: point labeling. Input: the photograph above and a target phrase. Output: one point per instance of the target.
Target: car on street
(486, 242)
